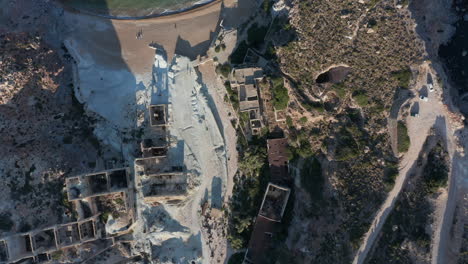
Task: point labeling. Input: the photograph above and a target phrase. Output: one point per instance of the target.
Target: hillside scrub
(280, 93)
(403, 77)
(311, 179)
(247, 194)
(405, 233)
(403, 138)
(337, 32)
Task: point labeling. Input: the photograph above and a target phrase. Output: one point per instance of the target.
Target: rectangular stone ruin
(158, 115)
(19, 246)
(255, 126)
(87, 230)
(153, 147)
(68, 235)
(44, 240)
(164, 187)
(278, 160)
(44, 257)
(117, 205)
(3, 251)
(80, 187)
(274, 202)
(245, 76)
(118, 179)
(97, 183)
(153, 165)
(76, 188)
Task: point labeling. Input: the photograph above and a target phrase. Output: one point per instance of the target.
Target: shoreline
(200, 5)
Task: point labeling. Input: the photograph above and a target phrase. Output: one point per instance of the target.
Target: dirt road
(431, 114)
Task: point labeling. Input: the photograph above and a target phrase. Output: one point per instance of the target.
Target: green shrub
(303, 120)
(403, 77)
(224, 69)
(56, 255)
(280, 94)
(267, 4)
(339, 89)
(217, 49)
(289, 122)
(347, 147)
(436, 169)
(361, 99)
(232, 95)
(403, 138)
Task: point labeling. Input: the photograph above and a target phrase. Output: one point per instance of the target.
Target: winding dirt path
(431, 114)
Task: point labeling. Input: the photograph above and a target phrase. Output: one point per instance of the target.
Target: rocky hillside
(349, 63)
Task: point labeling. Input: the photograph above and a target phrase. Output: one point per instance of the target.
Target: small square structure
(68, 235)
(118, 179)
(44, 240)
(97, 183)
(19, 246)
(158, 115)
(87, 230)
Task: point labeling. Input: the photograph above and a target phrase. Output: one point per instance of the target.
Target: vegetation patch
(403, 77)
(361, 98)
(403, 138)
(280, 93)
(247, 194)
(405, 234)
(224, 69)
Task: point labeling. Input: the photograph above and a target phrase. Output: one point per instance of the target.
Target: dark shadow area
(414, 109)
(165, 251)
(184, 48)
(216, 192)
(423, 91)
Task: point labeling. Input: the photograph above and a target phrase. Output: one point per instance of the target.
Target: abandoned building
(93, 184)
(159, 180)
(165, 187)
(38, 245)
(245, 82)
(158, 115)
(270, 215)
(274, 202)
(273, 205)
(107, 194)
(278, 161)
(155, 146)
(245, 76)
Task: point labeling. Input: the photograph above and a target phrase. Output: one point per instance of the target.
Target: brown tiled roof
(260, 241)
(278, 158)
